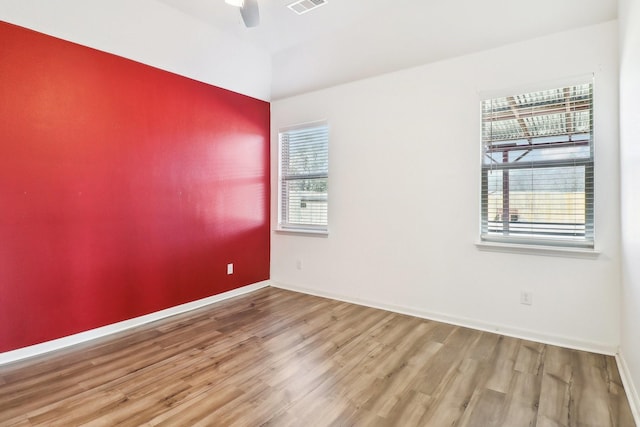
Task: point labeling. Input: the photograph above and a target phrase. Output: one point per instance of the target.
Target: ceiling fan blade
(250, 13)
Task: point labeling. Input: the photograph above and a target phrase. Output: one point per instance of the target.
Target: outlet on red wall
(124, 189)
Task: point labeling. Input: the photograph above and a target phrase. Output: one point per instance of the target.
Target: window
(304, 174)
(537, 167)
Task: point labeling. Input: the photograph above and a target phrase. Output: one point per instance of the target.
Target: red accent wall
(124, 189)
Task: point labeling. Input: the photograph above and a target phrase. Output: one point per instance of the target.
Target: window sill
(538, 250)
(302, 231)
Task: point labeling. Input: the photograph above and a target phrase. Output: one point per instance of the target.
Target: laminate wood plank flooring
(281, 358)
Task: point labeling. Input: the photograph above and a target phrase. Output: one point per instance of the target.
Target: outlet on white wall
(230, 268)
(299, 264)
(526, 298)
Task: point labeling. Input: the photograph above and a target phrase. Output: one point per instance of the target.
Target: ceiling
(347, 40)
(290, 54)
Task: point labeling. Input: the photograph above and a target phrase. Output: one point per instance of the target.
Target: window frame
(284, 224)
(511, 241)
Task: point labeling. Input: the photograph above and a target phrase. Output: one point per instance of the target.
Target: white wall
(404, 197)
(152, 33)
(630, 193)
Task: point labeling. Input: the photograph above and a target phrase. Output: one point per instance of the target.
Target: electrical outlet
(299, 264)
(526, 298)
(230, 268)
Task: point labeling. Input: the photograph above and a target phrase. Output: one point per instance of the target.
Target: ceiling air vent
(304, 6)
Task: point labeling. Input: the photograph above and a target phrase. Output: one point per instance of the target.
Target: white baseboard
(557, 340)
(629, 386)
(45, 347)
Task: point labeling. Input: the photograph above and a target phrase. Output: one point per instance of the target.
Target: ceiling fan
(248, 10)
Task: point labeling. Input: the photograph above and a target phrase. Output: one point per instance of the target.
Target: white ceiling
(288, 54)
(346, 40)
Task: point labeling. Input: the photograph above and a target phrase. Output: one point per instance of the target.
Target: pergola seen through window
(537, 167)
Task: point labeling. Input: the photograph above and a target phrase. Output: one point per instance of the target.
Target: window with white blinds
(537, 167)
(304, 174)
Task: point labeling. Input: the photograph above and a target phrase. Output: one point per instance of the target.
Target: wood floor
(280, 358)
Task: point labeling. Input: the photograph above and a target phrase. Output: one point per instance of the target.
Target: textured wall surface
(124, 189)
(630, 195)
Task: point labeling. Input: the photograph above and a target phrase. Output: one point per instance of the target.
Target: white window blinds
(537, 167)
(304, 173)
